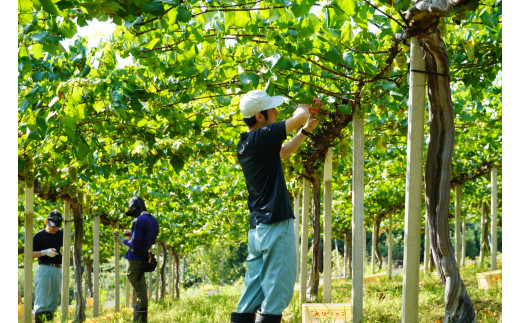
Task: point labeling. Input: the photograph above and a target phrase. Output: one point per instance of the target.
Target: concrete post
(65, 264)
(297, 231)
(414, 187)
(358, 162)
(389, 243)
(426, 245)
(327, 227)
(305, 237)
(28, 252)
(116, 266)
(494, 248)
(457, 224)
(95, 309)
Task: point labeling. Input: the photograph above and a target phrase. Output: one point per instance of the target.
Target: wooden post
(305, 237)
(426, 244)
(389, 244)
(373, 253)
(358, 161)
(95, 309)
(116, 266)
(65, 264)
(414, 187)
(297, 231)
(28, 252)
(494, 218)
(327, 227)
(457, 224)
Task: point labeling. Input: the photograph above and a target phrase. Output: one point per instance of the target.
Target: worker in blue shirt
(144, 233)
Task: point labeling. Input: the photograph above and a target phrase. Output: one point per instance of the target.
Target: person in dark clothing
(271, 263)
(46, 247)
(144, 233)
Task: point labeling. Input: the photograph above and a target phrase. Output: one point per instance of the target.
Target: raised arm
(295, 142)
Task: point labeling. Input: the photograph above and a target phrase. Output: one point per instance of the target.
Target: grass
(381, 302)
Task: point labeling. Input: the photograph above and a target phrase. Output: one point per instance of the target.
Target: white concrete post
(457, 224)
(327, 227)
(389, 243)
(65, 264)
(127, 292)
(150, 281)
(373, 253)
(463, 251)
(95, 309)
(305, 237)
(116, 266)
(337, 258)
(482, 236)
(297, 204)
(426, 244)
(414, 187)
(28, 252)
(171, 272)
(494, 218)
(158, 271)
(358, 161)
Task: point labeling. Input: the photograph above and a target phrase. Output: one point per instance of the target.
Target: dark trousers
(138, 283)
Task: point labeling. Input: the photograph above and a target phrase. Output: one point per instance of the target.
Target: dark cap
(54, 219)
(135, 207)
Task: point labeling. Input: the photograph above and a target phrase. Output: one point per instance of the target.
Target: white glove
(119, 238)
(51, 252)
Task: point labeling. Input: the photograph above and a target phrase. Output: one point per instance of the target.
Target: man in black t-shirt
(46, 247)
(271, 263)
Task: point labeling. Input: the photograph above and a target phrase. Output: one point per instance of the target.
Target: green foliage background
(165, 126)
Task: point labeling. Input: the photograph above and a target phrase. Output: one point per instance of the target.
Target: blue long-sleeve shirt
(144, 233)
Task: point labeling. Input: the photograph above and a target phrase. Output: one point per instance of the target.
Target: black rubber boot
(140, 315)
(268, 318)
(42, 317)
(242, 317)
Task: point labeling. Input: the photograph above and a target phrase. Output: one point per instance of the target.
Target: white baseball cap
(258, 100)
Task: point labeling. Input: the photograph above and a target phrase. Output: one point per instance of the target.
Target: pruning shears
(317, 103)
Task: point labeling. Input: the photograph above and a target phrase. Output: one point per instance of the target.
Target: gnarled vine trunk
(376, 243)
(77, 212)
(88, 277)
(314, 278)
(163, 271)
(423, 19)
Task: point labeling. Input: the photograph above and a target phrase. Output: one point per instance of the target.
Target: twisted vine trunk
(77, 211)
(314, 278)
(376, 244)
(163, 271)
(88, 277)
(423, 19)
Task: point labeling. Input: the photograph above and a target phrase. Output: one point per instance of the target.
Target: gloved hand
(119, 238)
(51, 252)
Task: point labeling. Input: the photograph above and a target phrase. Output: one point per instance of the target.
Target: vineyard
(404, 171)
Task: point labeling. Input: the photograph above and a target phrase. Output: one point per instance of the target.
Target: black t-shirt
(43, 240)
(259, 155)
